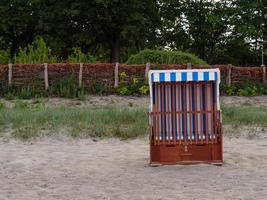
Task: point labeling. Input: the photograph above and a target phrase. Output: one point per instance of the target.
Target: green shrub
(144, 89)
(230, 91)
(9, 96)
(67, 87)
(2, 105)
(81, 95)
(243, 90)
(248, 91)
(262, 89)
(137, 86)
(97, 88)
(123, 90)
(21, 91)
(36, 53)
(4, 57)
(26, 92)
(78, 56)
(164, 57)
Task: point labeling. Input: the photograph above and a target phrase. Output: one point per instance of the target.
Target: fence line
(109, 73)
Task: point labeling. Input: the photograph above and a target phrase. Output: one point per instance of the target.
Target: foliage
(22, 92)
(123, 90)
(113, 34)
(249, 91)
(243, 90)
(144, 89)
(29, 121)
(136, 86)
(97, 88)
(2, 105)
(78, 56)
(19, 21)
(164, 57)
(4, 57)
(216, 31)
(244, 115)
(35, 53)
(67, 87)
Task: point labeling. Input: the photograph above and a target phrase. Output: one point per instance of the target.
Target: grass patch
(245, 115)
(244, 120)
(33, 121)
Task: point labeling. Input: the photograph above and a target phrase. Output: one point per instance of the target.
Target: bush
(164, 57)
(243, 90)
(97, 88)
(67, 87)
(78, 56)
(26, 91)
(4, 57)
(137, 86)
(2, 105)
(36, 53)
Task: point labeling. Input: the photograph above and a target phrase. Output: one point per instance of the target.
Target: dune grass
(32, 120)
(245, 115)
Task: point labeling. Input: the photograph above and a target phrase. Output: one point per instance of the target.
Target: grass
(244, 120)
(31, 120)
(245, 115)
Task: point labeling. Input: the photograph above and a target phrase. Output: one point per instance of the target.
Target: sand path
(112, 169)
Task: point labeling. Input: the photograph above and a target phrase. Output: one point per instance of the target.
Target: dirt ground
(142, 101)
(112, 169)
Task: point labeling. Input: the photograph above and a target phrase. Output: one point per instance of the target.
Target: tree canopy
(112, 30)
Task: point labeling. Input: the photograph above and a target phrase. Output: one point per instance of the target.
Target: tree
(249, 24)
(115, 29)
(118, 24)
(172, 30)
(19, 20)
(206, 23)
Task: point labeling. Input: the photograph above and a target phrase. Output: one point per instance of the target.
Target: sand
(68, 169)
(112, 169)
(141, 101)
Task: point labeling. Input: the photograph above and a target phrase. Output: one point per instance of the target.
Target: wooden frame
(185, 123)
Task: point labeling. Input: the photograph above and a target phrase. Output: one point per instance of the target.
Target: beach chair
(184, 119)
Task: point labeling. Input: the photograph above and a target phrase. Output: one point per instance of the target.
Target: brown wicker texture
(104, 73)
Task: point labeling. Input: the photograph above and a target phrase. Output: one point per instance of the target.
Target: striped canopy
(185, 97)
(184, 75)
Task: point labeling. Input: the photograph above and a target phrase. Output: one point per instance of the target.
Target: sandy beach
(111, 169)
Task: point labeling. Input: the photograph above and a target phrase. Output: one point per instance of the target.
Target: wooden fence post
(81, 75)
(46, 76)
(188, 66)
(228, 79)
(147, 70)
(116, 83)
(263, 74)
(9, 73)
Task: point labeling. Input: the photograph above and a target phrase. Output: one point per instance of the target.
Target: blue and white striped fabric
(183, 75)
(180, 99)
